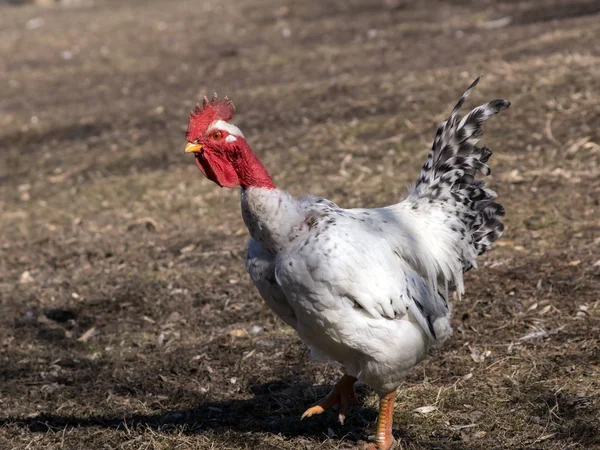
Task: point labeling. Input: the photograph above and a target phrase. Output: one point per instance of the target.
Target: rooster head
(215, 142)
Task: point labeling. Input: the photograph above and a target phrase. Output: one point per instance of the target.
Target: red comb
(206, 114)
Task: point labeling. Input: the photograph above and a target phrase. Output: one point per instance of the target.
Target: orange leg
(383, 438)
(341, 394)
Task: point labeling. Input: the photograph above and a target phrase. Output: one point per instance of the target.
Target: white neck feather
(271, 216)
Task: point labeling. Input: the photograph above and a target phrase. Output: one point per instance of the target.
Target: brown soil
(127, 318)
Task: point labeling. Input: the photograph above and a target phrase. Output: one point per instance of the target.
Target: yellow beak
(192, 148)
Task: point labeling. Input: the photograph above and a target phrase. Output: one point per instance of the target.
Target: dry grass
(127, 318)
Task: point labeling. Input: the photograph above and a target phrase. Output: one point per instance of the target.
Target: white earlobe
(226, 126)
(230, 138)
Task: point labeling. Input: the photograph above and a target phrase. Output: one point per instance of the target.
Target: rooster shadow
(276, 408)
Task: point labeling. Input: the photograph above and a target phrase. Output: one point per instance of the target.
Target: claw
(317, 409)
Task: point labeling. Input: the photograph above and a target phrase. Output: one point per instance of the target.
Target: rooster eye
(216, 135)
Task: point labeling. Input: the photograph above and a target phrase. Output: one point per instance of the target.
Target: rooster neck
(250, 171)
(272, 216)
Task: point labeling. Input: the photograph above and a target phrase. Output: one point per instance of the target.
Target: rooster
(368, 288)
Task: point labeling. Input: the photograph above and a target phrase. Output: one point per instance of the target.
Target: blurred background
(127, 319)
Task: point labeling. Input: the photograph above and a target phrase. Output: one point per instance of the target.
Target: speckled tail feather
(450, 169)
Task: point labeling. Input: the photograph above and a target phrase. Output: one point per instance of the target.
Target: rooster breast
(261, 268)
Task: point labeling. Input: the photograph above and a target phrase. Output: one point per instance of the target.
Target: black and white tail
(450, 169)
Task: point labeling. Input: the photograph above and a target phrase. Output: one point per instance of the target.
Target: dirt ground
(127, 319)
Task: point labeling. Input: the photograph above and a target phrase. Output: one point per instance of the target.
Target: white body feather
(348, 281)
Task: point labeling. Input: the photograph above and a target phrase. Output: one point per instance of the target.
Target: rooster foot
(341, 395)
